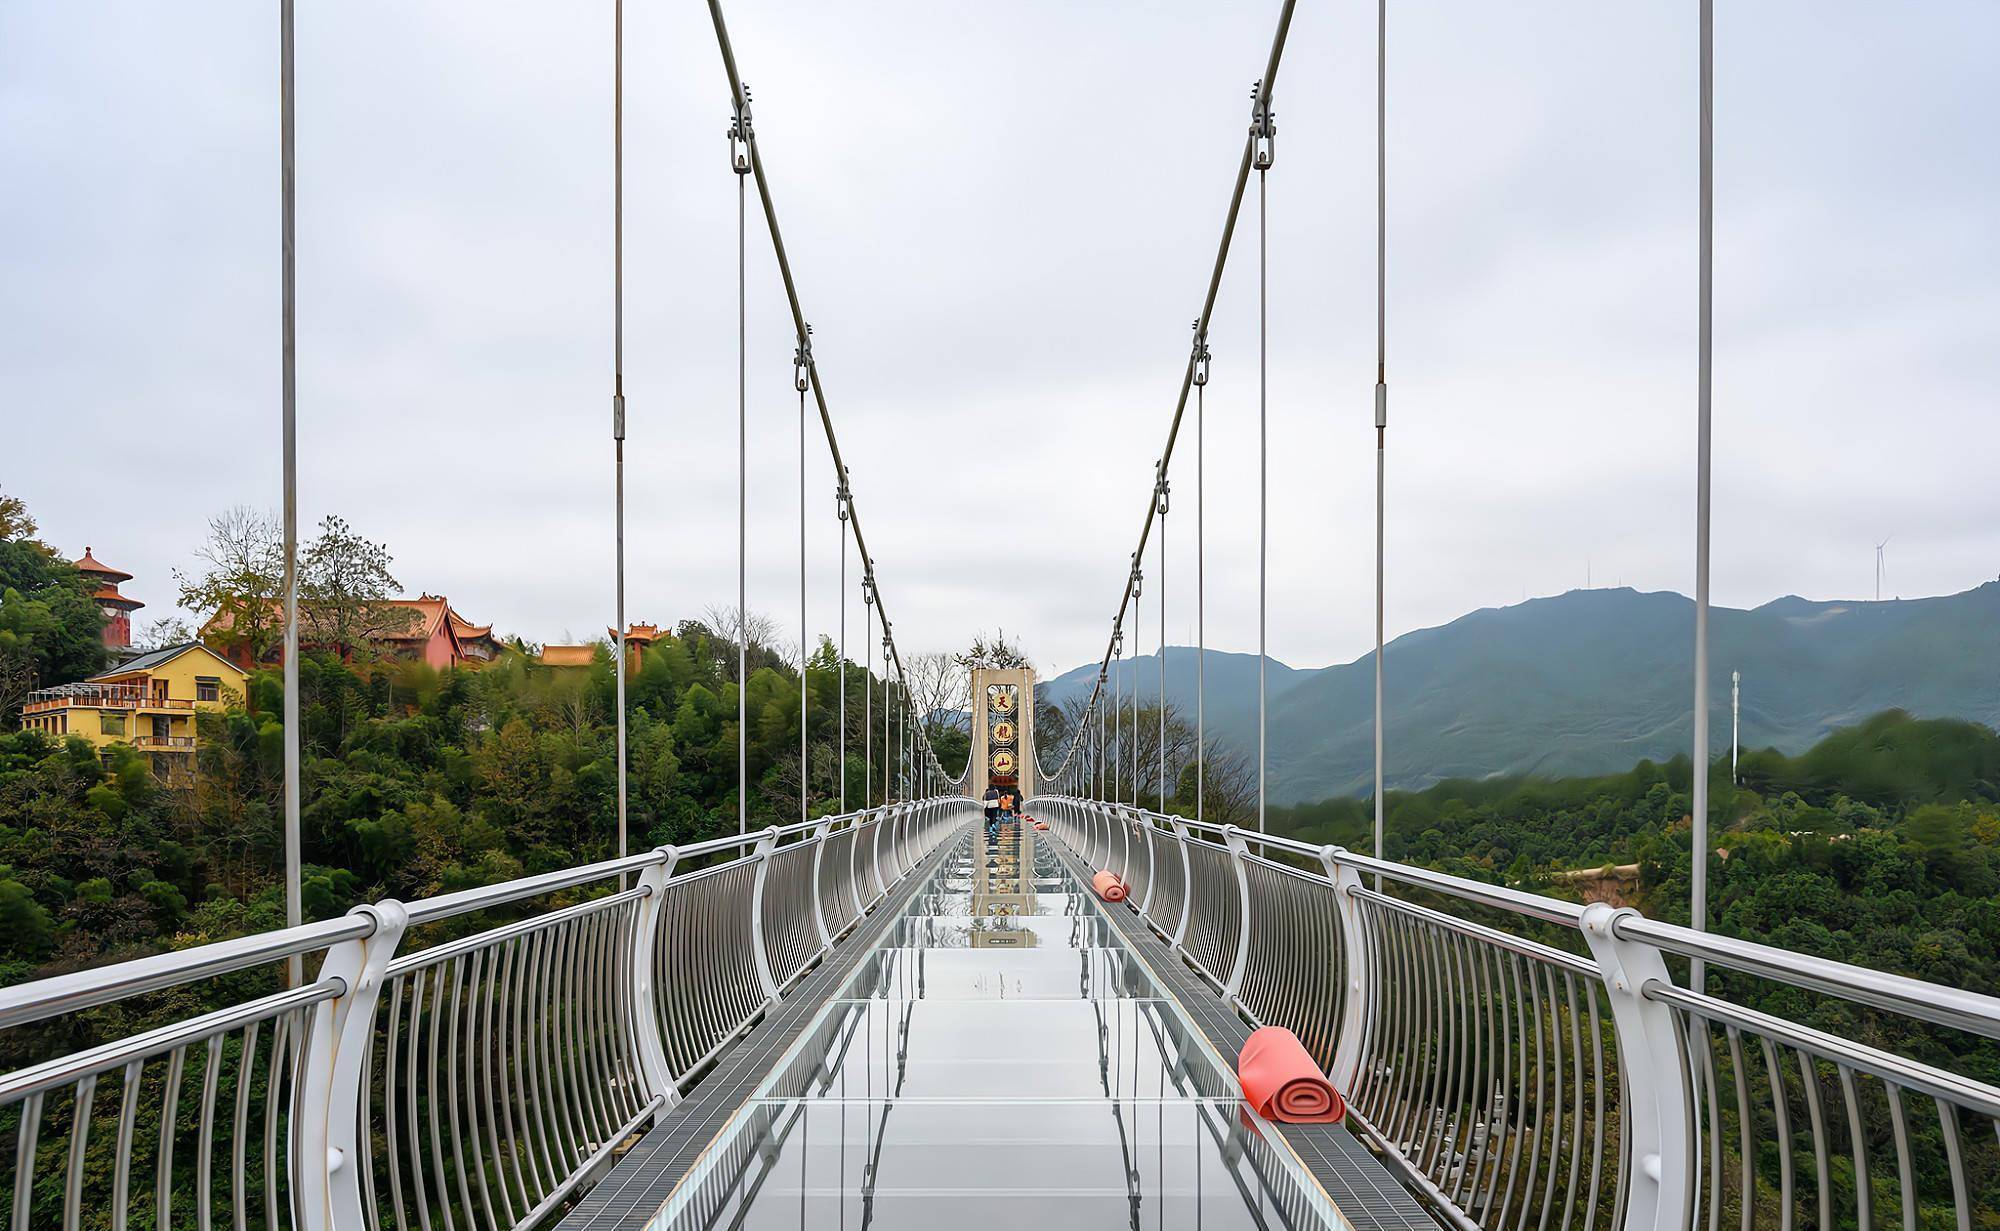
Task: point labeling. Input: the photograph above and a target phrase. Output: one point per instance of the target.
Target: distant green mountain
(1589, 682)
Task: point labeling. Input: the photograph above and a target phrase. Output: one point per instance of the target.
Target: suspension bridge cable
(618, 380)
(1161, 603)
(1200, 365)
(739, 162)
(753, 166)
(1138, 588)
(887, 754)
(1262, 130)
(867, 688)
(1698, 890)
(840, 749)
(1118, 722)
(1268, 91)
(1381, 373)
(799, 359)
(288, 330)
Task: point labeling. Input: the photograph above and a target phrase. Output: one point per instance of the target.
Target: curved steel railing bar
(475, 1083)
(1517, 1084)
(86, 989)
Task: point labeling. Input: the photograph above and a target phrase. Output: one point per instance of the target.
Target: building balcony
(98, 697)
(164, 743)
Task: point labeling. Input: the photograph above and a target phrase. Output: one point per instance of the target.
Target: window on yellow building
(110, 724)
(207, 688)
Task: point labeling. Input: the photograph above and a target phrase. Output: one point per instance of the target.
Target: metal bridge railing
(442, 1070)
(1528, 1063)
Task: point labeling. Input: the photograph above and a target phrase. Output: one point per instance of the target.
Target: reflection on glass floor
(999, 1061)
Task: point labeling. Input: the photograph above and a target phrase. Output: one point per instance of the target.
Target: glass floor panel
(959, 903)
(1000, 1059)
(1100, 1163)
(1002, 974)
(1020, 932)
(998, 1049)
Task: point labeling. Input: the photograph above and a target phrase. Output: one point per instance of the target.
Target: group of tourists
(1002, 806)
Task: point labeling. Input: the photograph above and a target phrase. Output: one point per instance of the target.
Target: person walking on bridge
(992, 801)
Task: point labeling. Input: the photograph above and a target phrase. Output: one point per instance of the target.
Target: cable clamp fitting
(741, 134)
(617, 416)
(1199, 360)
(1160, 489)
(868, 589)
(841, 496)
(802, 359)
(1263, 127)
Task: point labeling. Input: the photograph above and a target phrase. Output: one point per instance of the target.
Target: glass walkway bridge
(880, 1020)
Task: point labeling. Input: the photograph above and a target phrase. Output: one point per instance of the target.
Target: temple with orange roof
(638, 638)
(117, 608)
(435, 634)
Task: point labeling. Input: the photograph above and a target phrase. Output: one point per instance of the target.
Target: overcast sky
(1002, 217)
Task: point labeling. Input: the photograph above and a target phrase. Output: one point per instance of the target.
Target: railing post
(765, 845)
(1239, 850)
(896, 821)
(1357, 1006)
(332, 1073)
(1660, 1124)
(853, 863)
(1146, 829)
(875, 850)
(653, 1065)
(1187, 882)
(820, 832)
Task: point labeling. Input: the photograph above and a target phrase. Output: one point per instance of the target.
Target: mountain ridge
(1588, 681)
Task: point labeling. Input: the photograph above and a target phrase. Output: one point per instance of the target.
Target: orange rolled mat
(1282, 1083)
(1108, 886)
(1042, 825)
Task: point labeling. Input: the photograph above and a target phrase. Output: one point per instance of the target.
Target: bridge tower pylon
(1003, 730)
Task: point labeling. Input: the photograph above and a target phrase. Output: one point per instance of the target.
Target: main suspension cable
(1244, 167)
(752, 164)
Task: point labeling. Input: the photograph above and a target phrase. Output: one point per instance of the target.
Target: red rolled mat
(1281, 1081)
(1108, 886)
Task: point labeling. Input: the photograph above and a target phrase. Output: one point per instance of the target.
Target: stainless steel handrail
(25, 1003)
(1932, 1002)
(1518, 1085)
(484, 1079)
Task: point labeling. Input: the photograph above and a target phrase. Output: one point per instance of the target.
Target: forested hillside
(415, 782)
(1879, 845)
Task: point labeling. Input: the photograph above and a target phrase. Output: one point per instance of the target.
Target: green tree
(344, 579)
(239, 590)
(50, 630)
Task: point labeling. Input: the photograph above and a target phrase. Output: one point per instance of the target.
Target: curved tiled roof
(97, 568)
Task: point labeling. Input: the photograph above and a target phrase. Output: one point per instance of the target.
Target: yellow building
(148, 702)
